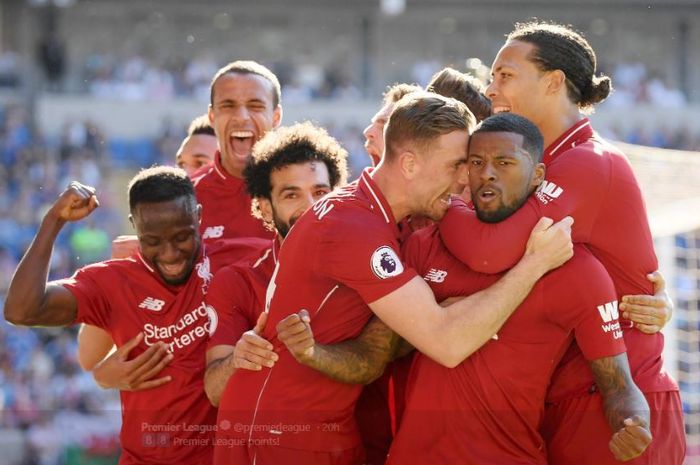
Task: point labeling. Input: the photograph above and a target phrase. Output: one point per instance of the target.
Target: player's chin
(175, 278)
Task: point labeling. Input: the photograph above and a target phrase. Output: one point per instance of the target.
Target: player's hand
(649, 313)
(124, 246)
(252, 351)
(295, 332)
(75, 203)
(550, 243)
(631, 440)
(118, 372)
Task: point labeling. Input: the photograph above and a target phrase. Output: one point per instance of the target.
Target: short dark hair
(300, 143)
(200, 126)
(159, 184)
(449, 82)
(249, 67)
(559, 47)
(422, 116)
(533, 142)
(397, 91)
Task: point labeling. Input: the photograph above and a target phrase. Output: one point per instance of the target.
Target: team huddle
(485, 293)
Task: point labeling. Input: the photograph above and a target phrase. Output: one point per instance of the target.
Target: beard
(282, 226)
(502, 212)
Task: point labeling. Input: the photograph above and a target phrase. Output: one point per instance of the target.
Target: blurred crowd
(138, 78)
(43, 391)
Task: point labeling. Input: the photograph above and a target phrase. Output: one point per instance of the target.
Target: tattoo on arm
(360, 360)
(621, 397)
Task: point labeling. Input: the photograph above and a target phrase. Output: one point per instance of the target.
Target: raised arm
(355, 361)
(31, 301)
(449, 335)
(624, 405)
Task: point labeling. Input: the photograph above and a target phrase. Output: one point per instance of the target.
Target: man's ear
(210, 115)
(556, 81)
(409, 164)
(265, 209)
(131, 221)
(277, 117)
(538, 174)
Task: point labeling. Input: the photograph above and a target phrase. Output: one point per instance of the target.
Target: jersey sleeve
(363, 257)
(593, 311)
(229, 306)
(90, 286)
(568, 190)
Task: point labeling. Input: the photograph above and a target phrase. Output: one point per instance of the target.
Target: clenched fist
(75, 203)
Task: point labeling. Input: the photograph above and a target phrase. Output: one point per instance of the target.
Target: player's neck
(393, 190)
(557, 125)
(231, 168)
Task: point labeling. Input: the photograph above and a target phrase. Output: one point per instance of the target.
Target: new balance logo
(212, 232)
(608, 312)
(548, 191)
(152, 304)
(435, 276)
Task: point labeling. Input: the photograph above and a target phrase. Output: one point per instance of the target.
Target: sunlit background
(95, 89)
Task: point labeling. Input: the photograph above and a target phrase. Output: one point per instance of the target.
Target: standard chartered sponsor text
(190, 327)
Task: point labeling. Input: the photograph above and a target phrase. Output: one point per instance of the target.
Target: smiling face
(501, 174)
(440, 165)
(517, 84)
(241, 113)
(196, 151)
(295, 188)
(168, 234)
(374, 133)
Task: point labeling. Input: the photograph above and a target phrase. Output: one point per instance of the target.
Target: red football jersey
(592, 181)
(339, 256)
(488, 409)
(225, 205)
(172, 423)
(237, 296)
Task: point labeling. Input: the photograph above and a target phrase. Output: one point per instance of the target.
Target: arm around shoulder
(449, 335)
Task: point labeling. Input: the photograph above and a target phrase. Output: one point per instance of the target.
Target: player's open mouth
(500, 109)
(488, 194)
(242, 143)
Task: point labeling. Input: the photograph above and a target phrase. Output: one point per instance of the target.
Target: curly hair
(300, 143)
